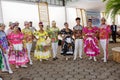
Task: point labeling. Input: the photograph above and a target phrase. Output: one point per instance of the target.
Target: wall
(13, 11)
(71, 15)
(57, 14)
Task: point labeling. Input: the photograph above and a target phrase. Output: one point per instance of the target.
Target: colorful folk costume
(90, 41)
(53, 34)
(4, 45)
(17, 54)
(67, 43)
(42, 50)
(28, 40)
(78, 41)
(1, 62)
(104, 35)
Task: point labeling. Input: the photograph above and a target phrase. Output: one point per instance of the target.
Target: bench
(116, 54)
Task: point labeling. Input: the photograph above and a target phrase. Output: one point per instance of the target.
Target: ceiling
(96, 5)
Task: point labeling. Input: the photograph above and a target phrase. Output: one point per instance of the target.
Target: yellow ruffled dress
(42, 50)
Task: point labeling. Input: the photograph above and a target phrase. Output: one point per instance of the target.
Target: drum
(116, 54)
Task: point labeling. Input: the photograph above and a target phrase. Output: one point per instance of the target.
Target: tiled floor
(69, 70)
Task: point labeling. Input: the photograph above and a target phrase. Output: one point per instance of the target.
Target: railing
(50, 2)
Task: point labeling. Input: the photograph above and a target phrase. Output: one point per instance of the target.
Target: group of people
(86, 38)
(16, 44)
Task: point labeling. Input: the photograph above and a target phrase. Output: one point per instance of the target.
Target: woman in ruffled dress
(17, 53)
(42, 51)
(90, 41)
(67, 42)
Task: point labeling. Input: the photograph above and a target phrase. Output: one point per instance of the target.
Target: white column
(65, 14)
(1, 15)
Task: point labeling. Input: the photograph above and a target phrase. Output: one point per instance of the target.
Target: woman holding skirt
(90, 41)
(68, 41)
(42, 47)
(17, 53)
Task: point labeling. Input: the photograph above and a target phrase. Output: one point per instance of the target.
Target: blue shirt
(3, 40)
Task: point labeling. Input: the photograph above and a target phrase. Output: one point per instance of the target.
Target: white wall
(57, 14)
(71, 15)
(13, 11)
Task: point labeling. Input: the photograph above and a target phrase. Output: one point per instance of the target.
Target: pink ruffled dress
(90, 42)
(17, 57)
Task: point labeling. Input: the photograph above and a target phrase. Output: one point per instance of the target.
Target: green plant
(112, 8)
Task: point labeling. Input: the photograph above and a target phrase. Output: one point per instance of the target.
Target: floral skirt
(90, 46)
(67, 46)
(18, 57)
(42, 51)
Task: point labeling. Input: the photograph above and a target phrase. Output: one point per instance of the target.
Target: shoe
(23, 66)
(17, 66)
(10, 71)
(90, 58)
(105, 61)
(54, 59)
(66, 59)
(81, 57)
(40, 60)
(95, 59)
(74, 59)
(31, 63)
(4, 70)
(46, 59)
